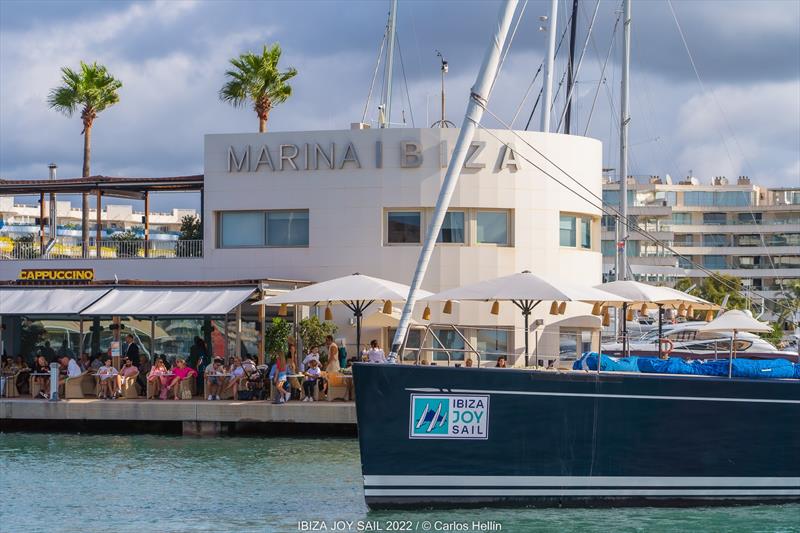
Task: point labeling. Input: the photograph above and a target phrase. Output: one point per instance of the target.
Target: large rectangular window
(714, 218)
(681, 218)
(492, 227)
(404, 227)
(717, 198)
(567, 231)
(287, 228)
(715, 239)
(449, 340)
(452, 228)
(240, 229)
(715, 261)
(491, 343)
(259, 229)
(749, 218)
(586, 233)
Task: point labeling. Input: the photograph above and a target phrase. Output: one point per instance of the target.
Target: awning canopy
(174, 301)
(34, 302)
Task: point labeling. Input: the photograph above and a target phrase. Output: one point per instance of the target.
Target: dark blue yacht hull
(438, 436)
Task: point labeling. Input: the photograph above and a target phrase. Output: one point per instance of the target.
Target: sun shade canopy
(638, 293)
(176, 301)
(735, 320)
(28, 301)
(355, 287)
(524, 286)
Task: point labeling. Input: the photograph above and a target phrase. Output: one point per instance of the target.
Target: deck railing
(108, 249)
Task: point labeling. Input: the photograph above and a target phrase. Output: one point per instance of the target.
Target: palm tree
(256, 78)
(91, 89)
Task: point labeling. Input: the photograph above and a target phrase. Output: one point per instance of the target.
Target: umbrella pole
(730, 356)
(527, 315)
(660, 329)
(624, 330)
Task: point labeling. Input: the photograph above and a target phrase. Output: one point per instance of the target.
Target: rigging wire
(602, 73)
(571, 90)
(541, 66)
(722, 137)
(405, 80)
(605, 207)
(374, 75)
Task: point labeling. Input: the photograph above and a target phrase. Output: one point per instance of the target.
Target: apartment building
(728, 226)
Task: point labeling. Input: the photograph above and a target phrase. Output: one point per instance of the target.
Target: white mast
(386, 118)
(625, 119)
(478, 99)
(547, 95)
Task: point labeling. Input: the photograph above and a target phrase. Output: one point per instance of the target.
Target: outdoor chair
(130, 390)
(153, 388)
(226, 394)
(337, 386)
(188, 383)
(74, 387)
(11, 386)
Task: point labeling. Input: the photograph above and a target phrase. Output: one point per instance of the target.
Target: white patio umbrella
(525, 290)
(642, 293)
(735, 321)
(356, 291)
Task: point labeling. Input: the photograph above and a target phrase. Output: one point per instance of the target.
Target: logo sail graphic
(449, 417)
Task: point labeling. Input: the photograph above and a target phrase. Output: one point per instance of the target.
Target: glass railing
(107, 249)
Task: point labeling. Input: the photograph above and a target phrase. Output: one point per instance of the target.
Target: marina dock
(189, 417)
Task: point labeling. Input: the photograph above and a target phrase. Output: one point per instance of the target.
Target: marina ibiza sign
(449, 417)
(316, 156)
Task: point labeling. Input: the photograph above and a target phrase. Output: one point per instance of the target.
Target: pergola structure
(99, 186)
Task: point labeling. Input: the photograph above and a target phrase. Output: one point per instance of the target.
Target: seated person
(158, 376)
(23, 374)
(127, 371)
(68, 364)
(278, 377)
(501, 362)
(236, 374)
(144, 372)
(312, 354)
(84, 362)
(42, 368)
(312, 374)
(215, 380)
(181, 373)
(107, 377)
(97, 361)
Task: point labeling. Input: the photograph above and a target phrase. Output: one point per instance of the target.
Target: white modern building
(311, 206)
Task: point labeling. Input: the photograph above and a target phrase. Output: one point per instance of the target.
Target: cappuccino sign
(316, 156)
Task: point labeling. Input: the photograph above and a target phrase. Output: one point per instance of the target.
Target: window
(717, 198)
(715, 239)
(608, 248)
(714, 261)
(586, 233)
(450, 340)
(490, 343)
(567, 231)
(404, 227)
(572, 343)
(413, 343)
(749, 218)
(241, 229)
(714, 218)
(259, 229)
(748, 240)
(492, 227)
(684, 239)
(287, 228)
(681, 218)
(685, 262)
(452, 228)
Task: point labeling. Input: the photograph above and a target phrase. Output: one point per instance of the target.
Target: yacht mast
(386, 117)
(547, 95)
(625, 119)
(571, 66)
(478, 99)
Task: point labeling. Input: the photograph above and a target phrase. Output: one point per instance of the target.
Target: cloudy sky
(741, 117)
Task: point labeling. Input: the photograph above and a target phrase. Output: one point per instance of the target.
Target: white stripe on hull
(695, 493)
(601, 395)
(580, 481)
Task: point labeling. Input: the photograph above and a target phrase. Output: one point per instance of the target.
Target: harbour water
(119, 483)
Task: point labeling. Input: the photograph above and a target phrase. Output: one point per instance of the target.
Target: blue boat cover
(742, 368)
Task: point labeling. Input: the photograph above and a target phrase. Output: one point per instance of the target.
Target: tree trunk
(87, 154)
(262, 125)
(87, 148)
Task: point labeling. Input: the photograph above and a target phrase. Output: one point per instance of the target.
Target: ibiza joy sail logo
(449, 417)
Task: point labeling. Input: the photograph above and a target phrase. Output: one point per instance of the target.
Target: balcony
(107, 249)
